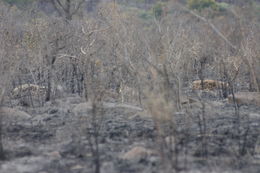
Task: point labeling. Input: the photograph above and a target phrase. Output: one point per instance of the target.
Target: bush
(158, 10)
(19, 3)
(202, 4)
(146, 15)
(222, 6)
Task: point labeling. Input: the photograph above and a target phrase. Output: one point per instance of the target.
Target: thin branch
(60, 56)
(93, 31)
(213, 27)
(60, 4)
(56, 7)
(77, 7)
(83, 51)
(154, 66)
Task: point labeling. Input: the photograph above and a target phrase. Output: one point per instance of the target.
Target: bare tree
(67, 8)
(2, 154)
(9, 61)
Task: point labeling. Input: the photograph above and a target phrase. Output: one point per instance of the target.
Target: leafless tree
(9, 61)
(67, 8)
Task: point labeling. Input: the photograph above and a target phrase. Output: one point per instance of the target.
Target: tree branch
(213, 27)
(77, 7)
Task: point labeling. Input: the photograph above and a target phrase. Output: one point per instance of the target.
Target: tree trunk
(48, 93)
(2, 154)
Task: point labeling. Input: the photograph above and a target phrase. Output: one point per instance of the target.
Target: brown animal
(28, 90)
(248, 98)
(29, 94)
(208, 84)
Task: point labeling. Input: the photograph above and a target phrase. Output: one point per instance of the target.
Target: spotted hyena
(209, 85)
(29, 94)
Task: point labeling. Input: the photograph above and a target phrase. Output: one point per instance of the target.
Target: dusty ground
(53, 139)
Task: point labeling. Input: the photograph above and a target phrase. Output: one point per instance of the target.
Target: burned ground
(53, 139)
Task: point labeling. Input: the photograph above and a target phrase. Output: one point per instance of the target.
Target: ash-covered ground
(58, 138)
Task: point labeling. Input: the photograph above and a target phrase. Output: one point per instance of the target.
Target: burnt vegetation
(129, 86)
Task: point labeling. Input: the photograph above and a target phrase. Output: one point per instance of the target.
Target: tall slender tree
(67, 8)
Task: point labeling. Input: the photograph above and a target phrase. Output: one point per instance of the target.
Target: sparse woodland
(140, 86)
